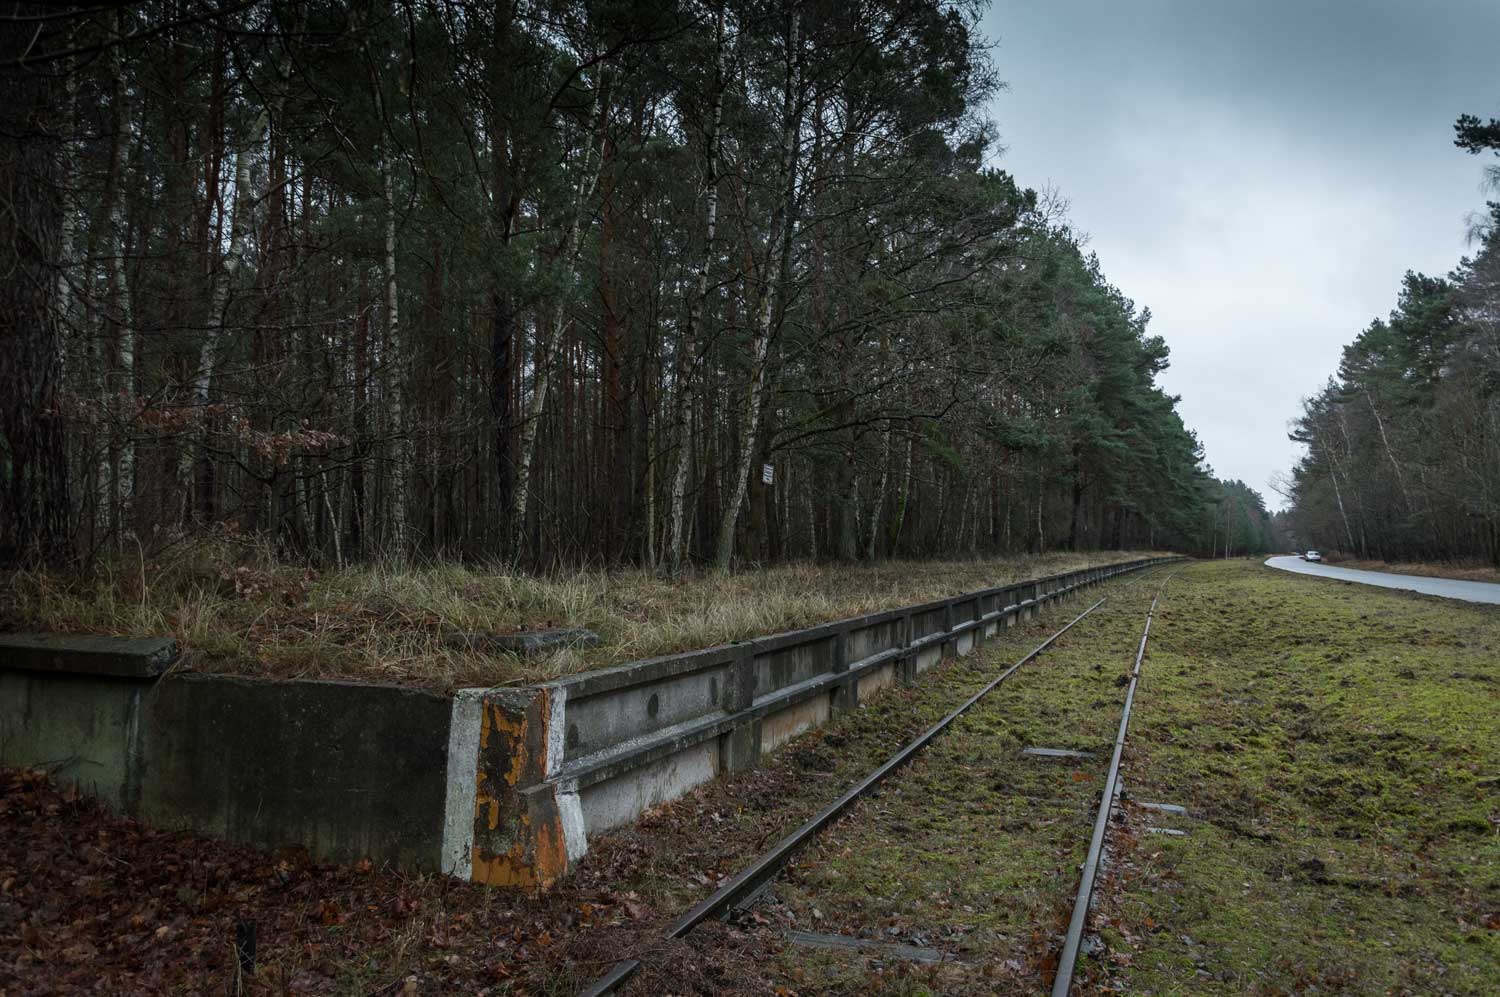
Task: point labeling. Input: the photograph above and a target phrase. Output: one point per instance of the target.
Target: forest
(1403, 443)
(576, 282)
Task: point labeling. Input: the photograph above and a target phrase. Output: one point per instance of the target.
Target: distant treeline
(1403, 445)
(663, 283)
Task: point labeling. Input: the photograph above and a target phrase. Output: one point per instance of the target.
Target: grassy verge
(1469, 572)
(1339, 749)
(237, 611)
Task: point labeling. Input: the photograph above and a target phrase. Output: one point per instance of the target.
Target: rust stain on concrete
(519, 840)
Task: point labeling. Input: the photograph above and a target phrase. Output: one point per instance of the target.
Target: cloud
(1259, 175)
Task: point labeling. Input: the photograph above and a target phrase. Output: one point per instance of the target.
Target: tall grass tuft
(236, 609)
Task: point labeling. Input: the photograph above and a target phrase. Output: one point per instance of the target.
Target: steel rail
(1063, 984)
(769, 863)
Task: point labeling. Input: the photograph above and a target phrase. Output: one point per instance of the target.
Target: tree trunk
(773, 293)
(393, 365)
(687, 349)
(34, 498)
(552, 336)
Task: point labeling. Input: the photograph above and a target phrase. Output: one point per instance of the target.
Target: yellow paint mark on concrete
(514, 731)
(548, 862)
(484, 802)
(538, 857)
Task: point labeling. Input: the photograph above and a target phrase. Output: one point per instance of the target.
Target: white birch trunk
(885, 473)
(1389, 452)
(255, 135)
(1338, 494)
(536, 402)
(393, 369)
(123, 455)
(687, 363)
(779, 246)
(240, 227)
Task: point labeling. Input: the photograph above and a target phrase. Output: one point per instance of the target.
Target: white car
(1312, 555)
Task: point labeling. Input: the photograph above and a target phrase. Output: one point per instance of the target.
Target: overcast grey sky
(1259, 173)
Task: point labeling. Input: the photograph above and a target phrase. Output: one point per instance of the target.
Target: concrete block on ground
(525, 643)
(1056, 753)
(1171, 808)
(122, 657)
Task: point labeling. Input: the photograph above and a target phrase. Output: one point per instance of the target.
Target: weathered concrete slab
(1056, 753)
(620, 800)
(525, 830)
(125, 657)
(1170, 832)
(873, 639)
(526, 643)
(889, 950)
(629, 713)
(1170, 808)
(927, 658)
(788, 666)
(780, 727)
(343, 769)
(876, 679)
(83, 729)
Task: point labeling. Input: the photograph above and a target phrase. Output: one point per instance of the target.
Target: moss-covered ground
(1338, 747)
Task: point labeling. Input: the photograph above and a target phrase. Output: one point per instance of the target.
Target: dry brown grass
(235, 610)
(1471, 571)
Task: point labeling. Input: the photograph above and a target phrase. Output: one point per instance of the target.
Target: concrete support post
(845, 695)
(520, 830)
(739, 749)
(950, 643)
(906, 668)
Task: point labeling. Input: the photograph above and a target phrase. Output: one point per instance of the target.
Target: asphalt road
(1448, 588)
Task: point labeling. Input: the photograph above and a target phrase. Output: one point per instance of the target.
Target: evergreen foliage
(551, 282)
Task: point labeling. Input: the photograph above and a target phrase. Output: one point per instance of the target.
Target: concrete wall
(629, 737)
(344, 770)
(503, 786)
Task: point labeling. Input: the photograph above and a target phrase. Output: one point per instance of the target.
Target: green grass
(1339, 746)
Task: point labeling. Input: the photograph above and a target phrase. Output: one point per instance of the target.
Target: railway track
(751, 883)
